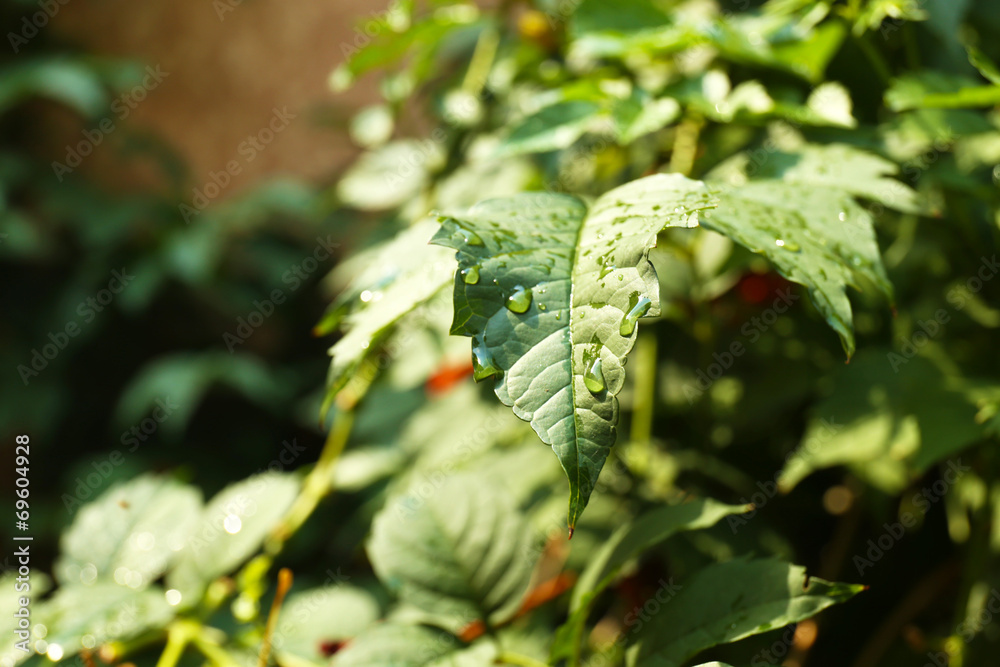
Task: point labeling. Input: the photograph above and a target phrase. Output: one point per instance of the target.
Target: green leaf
(70, 82)
(729, 601)
(809, 57)
(934, 90)
(624, 544)
(890, 418)
(550, 293)
(983, 64)
(457, 549)
(100, 613)
(231, 528)
(393, 645)
(552, 128)
(390, 175)
(638, 115)
(142, 525)
(835, 166)
(402, 275)
(817, 237)
(330, 613)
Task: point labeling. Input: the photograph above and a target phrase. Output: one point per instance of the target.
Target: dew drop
(520, 300)
(470, 275)
(471, 238)
(483, 365)
(637, 310)
(787, 245)
(542, 306)
(593, 374)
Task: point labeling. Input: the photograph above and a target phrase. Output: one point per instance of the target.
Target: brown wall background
(229, 63)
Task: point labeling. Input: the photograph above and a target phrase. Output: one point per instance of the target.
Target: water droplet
(787, 245)
(470, 275)
(607, 261)
(842, 215)
(637, 310)
(558, 316)
(620, 277)
(471, 238)
(542, 306)
(483, 365)
(593, 374)
(520, 300)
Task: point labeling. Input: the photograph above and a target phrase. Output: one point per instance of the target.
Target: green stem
(179, 634)
(644, 396)
(511, 658)
(318, 483)
(482, 61)
(685, 148)
(215, 653)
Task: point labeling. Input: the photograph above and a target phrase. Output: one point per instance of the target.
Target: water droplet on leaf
(593, 374)
(470, 275)
(483, 365)
(471, 238)
(520, 300)
(637, 310)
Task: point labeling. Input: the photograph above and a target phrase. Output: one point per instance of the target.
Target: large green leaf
(230, 529)
(817, 237)
(889, 417)
(393, 645)
(842, 167)
(457, 549)
(626, 543)
(550, 293)
(729, 601)
(142, 524)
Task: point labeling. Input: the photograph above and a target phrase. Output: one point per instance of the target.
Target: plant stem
(318, 483)
(284, 583)
(686, 145)
(644, 396)
(179, 633)
(482, 61)
(511, 658)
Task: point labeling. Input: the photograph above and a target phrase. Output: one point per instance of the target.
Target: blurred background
(165, 169)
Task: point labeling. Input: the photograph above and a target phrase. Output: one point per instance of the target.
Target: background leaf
(456, 549)
(728, 601)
